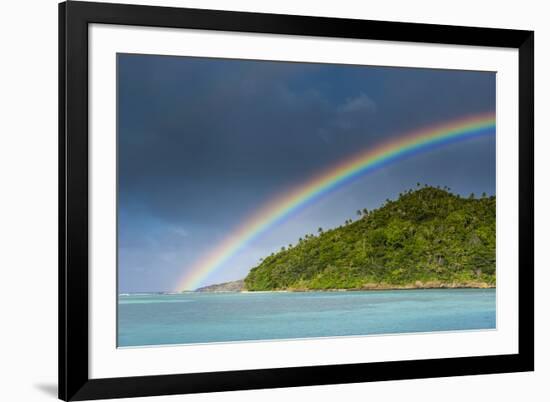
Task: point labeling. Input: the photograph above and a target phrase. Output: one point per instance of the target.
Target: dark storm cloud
(255, 120)
(203, 142)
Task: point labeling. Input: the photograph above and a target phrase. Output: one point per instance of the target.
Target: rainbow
(278, 209)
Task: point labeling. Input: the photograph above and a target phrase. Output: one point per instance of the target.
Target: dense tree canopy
(428, 237)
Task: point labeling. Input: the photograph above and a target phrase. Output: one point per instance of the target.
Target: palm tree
(359, 213)
(320, 230)
(365, 211)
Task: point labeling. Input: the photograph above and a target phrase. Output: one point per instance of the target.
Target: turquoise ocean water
(225, 317)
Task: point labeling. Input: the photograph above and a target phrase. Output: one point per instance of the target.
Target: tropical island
(426, 238)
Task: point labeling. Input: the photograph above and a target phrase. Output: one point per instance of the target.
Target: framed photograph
(257, 201)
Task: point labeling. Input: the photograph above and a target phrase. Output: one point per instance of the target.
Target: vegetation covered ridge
(427, 238)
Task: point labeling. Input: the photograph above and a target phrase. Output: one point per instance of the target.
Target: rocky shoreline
(239, 286)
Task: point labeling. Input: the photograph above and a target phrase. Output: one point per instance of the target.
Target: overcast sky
(204, 142)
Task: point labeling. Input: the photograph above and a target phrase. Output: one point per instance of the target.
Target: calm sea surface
(224, 317)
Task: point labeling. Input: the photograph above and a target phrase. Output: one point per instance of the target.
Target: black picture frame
(74, 381)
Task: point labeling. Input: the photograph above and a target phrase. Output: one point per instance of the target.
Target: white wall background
(28, 199)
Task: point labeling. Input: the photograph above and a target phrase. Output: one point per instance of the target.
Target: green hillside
(428, 237)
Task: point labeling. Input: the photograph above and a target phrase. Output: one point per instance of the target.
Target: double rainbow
(336, 176)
